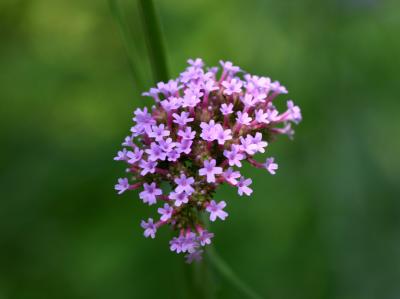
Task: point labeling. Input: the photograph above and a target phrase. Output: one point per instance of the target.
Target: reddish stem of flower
(254, 162)
(135, 186)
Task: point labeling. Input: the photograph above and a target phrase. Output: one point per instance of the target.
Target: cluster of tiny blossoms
(203, 126)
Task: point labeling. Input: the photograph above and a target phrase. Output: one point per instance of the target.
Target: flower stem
(128, 45)
(154, 40)
(223, 268)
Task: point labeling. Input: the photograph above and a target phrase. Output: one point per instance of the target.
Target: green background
(326, 226)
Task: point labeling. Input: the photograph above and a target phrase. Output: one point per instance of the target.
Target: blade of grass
(128, 44)
(154, 40)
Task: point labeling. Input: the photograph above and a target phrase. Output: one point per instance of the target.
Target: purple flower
(198, 62)
(259, 144)
(172, 103)
(190, 243)
(247, 145)
(121, 155)
(149, 227)
(194, 256)
(208, 130)
(278, 88)
(166, 212)
(210, 170)
(185, 146)
(229, 67)
(270, 165)
(179, 198)
(243, 118)
(176, 244)
(184, 184)
(243, 186)
(191, 99)
(173, 155)
(233, 86)
(166, 145)
(272, 115)
(134, 156)
(143, 120)
(155, 152)
(234, 156)
(205, 238)
(261, 116)
(147, 167)
(294, 113)
(222, 135)
(182, 119)
(231, 176)
(158, 132)
(201, 119)
(150, 193)
(128, 141)
(153, 92)
(216, 210)
(122, 186)
(187, 133)
(249, 100)
(226, 109)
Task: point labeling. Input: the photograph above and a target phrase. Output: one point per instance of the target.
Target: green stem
(154, 40)
(128, 45)
(224, 269)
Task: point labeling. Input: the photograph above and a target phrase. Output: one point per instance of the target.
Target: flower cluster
(203, 126)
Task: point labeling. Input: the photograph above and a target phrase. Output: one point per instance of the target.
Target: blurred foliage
(326, 226)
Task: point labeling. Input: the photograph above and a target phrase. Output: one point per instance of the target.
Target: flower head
(203, 127)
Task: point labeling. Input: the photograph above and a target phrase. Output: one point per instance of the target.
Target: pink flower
(234, 156)
(210, 170)
(216, 210)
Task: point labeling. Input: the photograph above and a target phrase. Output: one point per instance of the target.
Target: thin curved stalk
(154, 40)
(224, 269)
(128, 45)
